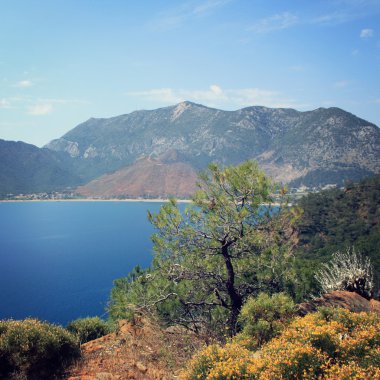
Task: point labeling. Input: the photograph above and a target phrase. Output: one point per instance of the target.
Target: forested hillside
(335, 220)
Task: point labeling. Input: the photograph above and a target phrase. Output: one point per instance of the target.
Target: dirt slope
(147, 178)
(138, 351)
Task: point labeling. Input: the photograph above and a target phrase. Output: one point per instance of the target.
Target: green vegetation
(263, 318)
(34, 350)
(335, 220)
(89, 328)
(127, 292)
(213, 263)
(224, 248)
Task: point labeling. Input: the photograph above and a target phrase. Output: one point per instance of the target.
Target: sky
(65, 61)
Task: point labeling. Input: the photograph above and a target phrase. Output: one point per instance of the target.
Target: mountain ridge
(312, 148)
(25, 168)
(291, 145)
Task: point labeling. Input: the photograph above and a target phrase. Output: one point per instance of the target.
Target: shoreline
(142, 200)
(130, 200)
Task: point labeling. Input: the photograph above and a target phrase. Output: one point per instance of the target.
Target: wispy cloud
(176, 17)
(215, 96)
(62, 101)
(40, 109)
(38, 106)
(367, 33)
(208, 6)
(45, 106)
(334, 18)
(24, 83)
(343, 11)
(341, 84)
(5, 103)
(273, 23)
(162, 95)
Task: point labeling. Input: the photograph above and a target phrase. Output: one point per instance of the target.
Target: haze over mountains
(157, 152)
(24, 168)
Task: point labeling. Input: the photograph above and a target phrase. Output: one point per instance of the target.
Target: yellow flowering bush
(332, 344)
(217, 362)
(352, 371)
(30, 349)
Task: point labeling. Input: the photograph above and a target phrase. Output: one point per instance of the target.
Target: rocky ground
(136, 351)
(346, 300)
(144, 351)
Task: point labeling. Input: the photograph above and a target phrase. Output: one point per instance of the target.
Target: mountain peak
(188, 104)
(179, 109)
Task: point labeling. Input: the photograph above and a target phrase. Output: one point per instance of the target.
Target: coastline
(142, 200)
(135, 200)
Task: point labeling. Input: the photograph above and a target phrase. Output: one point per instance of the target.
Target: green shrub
(127, 292)
(264, 317)
(89, 328)
(30, 349)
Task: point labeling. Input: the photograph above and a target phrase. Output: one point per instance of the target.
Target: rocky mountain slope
(25, 168)
(147, 178)
(314, 147)
(311, 148)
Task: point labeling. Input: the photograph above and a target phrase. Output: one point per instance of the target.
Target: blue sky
(64, 61)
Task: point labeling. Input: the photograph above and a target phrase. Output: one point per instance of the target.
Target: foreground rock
(347, 300)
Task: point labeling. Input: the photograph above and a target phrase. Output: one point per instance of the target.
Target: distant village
(294, 193)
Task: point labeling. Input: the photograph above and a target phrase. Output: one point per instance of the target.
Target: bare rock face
(347, 300)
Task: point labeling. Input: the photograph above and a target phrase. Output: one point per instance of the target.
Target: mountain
(324, 146)
(147, 177)
(25, 168)
(311, 148)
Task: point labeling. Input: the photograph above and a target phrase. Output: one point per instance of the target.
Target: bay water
(58, 259)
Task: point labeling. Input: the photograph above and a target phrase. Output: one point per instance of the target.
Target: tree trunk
(235, 298)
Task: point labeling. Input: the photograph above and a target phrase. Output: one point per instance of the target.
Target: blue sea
(58, 259)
